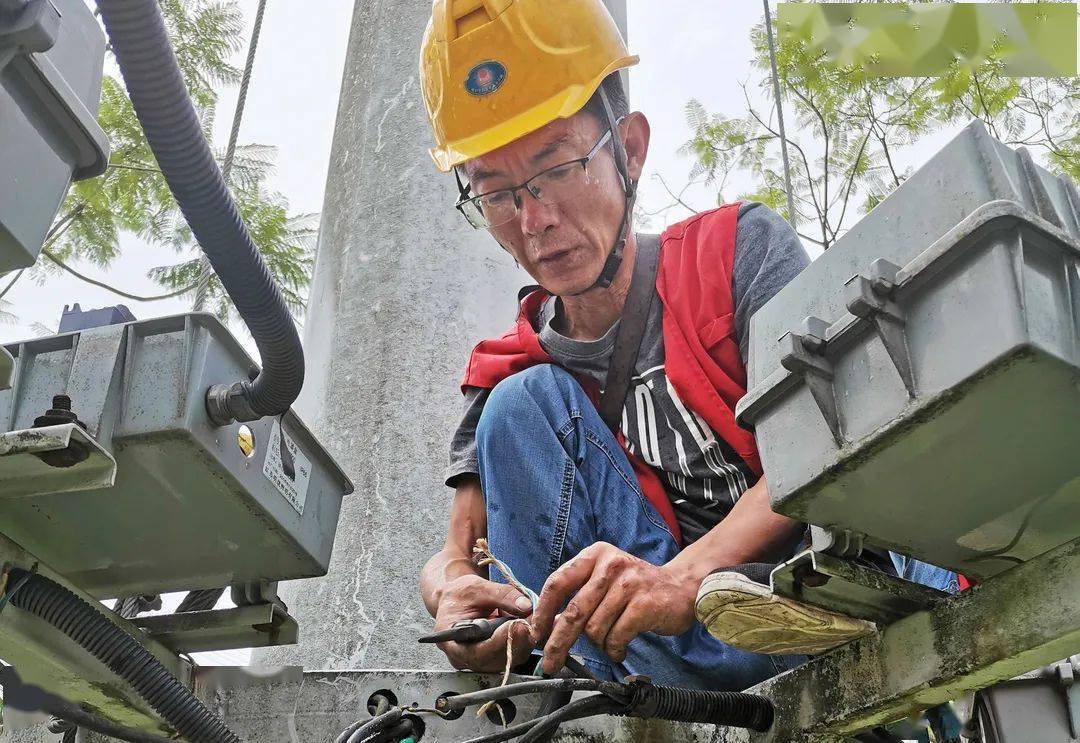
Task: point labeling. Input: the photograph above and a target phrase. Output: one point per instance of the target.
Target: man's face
(562, 246)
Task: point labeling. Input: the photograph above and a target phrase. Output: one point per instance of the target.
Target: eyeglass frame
(464, 187)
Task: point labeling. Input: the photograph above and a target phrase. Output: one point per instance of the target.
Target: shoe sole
(749, 616)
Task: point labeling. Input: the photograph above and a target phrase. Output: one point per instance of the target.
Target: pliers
(469, 630)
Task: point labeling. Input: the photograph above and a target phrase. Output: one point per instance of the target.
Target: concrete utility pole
(403, 288)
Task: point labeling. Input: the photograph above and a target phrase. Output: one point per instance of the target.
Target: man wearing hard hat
(598, 452)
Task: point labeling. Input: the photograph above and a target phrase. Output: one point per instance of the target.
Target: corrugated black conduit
(120, 652)
(140, 41)
(729, 708)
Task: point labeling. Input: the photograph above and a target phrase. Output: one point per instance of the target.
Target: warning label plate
(287, 467)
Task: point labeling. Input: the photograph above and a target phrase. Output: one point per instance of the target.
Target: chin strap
(615, 257)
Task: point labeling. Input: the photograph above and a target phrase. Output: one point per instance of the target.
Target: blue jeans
(925, 573)
(556, 481)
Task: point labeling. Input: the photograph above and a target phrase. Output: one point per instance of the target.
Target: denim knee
(530, 393)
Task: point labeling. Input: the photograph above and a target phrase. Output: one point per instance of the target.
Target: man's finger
(558, 587)
(503, 597)
(489, 656)
(570, 624)
(606, 614)
(631, 623)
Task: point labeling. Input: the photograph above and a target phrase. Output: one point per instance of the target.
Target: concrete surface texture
(403, 288)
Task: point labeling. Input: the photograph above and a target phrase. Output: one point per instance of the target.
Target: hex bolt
(61, 402)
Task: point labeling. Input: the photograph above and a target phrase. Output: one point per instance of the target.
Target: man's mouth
(555, 256)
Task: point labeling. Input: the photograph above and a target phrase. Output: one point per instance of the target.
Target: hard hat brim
(562, 106)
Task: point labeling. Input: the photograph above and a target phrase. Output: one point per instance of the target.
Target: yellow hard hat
(494, 70)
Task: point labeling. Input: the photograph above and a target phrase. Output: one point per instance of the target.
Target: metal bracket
(34, 28)
(53, 459)
(870, 297)
(806, 356)
(7, 369)
(1066, 674)
(836, 542)
(255, 592)
(258, 626)
(842, 586)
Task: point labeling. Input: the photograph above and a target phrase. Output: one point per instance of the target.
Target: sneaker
(746, 614)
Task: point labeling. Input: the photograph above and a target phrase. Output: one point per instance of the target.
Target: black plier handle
(469, 630)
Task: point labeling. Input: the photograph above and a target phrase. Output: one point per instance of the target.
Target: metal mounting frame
(1012, 623)
(258, 626)
(7, 368)
(843, 586)
(23, 471)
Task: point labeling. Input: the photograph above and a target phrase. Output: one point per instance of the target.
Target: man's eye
(499, 198)
(562, 173)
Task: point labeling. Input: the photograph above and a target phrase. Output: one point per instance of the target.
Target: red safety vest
(701, 351)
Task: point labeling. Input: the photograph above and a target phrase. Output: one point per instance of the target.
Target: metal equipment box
(193, 505)
(925, 388)
(51, 57)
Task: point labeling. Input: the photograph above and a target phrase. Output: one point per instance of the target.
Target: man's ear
(635, 136)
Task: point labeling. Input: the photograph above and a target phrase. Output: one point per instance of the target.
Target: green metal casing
(188, 509)
(51, 58)
(938, 412)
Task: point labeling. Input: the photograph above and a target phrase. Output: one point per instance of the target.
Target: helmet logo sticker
(485, 78)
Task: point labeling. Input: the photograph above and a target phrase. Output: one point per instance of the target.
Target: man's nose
(536, 216)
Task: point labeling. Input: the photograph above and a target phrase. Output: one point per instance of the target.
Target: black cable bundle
(120, 652)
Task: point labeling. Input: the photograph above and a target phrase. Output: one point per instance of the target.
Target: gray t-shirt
(701, 473)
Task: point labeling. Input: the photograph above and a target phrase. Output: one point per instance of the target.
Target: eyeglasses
(552, 186)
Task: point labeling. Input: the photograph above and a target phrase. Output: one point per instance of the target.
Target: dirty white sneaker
(749, 616)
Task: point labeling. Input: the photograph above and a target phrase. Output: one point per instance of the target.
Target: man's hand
(616, 597)
(473, 597)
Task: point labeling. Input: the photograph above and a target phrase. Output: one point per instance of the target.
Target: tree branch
(676, 197)
(851, 178)
(16, 277)
(823, 214)
(112, 289)
(140, 168)
(794, 144)
(807, 237)
(62, 224)
(986, 111)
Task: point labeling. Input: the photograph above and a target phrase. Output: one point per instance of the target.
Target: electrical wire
(506, 733)
(205, 270)
(375, 725)
(780, 116)
(538, 686)
(597, 704)
(574, 710)
(999, 553)
(484, 557)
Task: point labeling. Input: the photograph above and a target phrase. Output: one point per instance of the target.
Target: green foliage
(287, 244)
(132, 196)
(843, 129)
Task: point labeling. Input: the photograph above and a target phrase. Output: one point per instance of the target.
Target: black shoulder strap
(635, 314)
